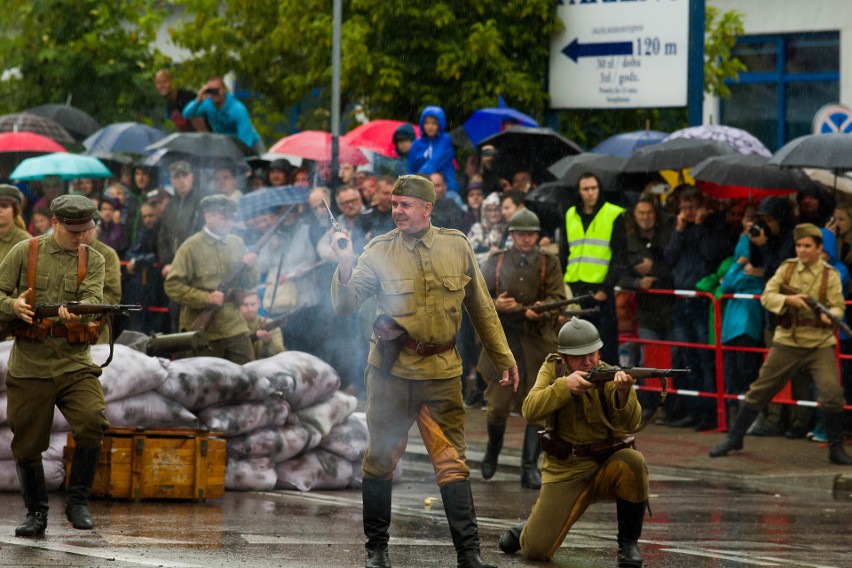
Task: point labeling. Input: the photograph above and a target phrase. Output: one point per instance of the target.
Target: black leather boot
(734, 438)
(530, 474)
(83, 468)
(34, 491)
(510, 542)
(458, 506)
(376, 497)
(492, 451)
(630, 518)
(834, 434)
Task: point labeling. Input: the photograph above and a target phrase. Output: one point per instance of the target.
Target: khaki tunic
(112, 281)
(200, 265)
(273, 347)
(56, 282)
(10, 239)
(422, 284)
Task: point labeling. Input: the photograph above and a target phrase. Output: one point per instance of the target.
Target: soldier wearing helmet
(521, 276)
(584, 462)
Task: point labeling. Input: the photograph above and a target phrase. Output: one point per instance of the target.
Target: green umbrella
(60, 164)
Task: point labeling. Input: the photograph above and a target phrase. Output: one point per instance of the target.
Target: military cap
(179, 167)
(75, 212)
(10, 194)
(415, 186)
(524, 220)
(218, 203)
(807, 230)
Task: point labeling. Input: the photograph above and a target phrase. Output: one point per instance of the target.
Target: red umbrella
(28, 142)
(377, 135)
(316, 145)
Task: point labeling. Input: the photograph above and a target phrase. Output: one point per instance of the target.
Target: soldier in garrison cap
(47, 366)
(421, 276)
(12, 227)
(521, 276)
(803, 341)
(200, 265)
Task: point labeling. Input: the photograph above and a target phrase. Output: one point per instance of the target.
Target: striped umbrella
(26, 122)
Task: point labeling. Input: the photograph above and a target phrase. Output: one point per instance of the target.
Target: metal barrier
(720, 395)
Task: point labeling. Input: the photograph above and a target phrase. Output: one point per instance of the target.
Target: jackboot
(530, 474)
(376, 497)
(492, 451)
(630, 518)
(834, 434)
(458, 506)
(734, 438)
(510, 542)
(34, 491)
(83, 468)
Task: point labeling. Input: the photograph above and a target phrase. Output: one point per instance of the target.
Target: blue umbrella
(126, 137)
(628, 142)
(266, 199)
(487, 121)
(61, 164)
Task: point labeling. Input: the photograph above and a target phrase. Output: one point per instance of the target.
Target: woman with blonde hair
(12, 226)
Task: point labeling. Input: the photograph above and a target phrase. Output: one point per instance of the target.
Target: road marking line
(395, 541)
(718, 556)
(97, 553)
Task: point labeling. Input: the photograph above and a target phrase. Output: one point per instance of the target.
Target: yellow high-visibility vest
(589, 251)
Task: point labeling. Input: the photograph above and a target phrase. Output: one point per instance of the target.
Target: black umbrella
(824, 151)
(78, 123)
(531, 149)
(203, 145)
(608, 169)
(25, 122)
(737, 175)
(675, 154)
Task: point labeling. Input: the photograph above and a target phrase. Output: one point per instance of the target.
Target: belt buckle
(419, 345)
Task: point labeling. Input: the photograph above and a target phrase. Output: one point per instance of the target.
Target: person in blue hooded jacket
(433, 151)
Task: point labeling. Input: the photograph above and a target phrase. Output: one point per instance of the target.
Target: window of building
(789, 78)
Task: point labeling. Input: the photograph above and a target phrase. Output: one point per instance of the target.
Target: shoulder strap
(789, 273)
(541, 275)
(32, 261)
(823, 289)
(497, 274)
(82, 264)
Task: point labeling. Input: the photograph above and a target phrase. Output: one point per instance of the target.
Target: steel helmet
(524, 220)
(578, 337)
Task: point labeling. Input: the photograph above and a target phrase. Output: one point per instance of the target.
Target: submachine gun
(818, 309)
(557, 306)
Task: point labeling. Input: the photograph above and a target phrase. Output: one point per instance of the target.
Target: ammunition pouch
(390, 337)
(81, 332)
(599, 452)
(37, 331)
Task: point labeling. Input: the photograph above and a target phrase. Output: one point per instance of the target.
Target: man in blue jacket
(224, 113)
(433, 151)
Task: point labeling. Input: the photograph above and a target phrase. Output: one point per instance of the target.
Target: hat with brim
(10, 194)
(75, 212)
(806, 230)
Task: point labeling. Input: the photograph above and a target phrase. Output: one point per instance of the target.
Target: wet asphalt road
(696, 524)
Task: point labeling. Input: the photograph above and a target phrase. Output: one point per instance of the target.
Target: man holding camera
(224, 113)
(584, 461)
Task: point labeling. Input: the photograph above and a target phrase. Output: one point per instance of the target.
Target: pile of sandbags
(286, 423)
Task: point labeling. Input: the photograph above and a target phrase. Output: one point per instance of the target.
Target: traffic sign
(832, 118)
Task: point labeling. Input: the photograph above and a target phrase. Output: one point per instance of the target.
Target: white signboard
(620, 54)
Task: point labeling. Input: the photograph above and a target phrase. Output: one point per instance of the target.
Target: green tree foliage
(97, 53)
(721, 37)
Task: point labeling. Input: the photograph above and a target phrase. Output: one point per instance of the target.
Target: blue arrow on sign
(576, 50)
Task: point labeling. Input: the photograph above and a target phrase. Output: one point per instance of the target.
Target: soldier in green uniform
(586, 462)
(521, 276)
(200, 265)
(112, 276)
(265, 343)
(421, 276)
(45, 369)
(802, 342)
(10, 215)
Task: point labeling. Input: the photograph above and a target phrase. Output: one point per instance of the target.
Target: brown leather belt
(788, 323)
(603, 447)
(58, 331)
(428, 348)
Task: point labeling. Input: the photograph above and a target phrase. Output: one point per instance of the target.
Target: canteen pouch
(389, 338)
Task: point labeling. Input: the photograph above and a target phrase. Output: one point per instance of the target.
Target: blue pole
(695, 71)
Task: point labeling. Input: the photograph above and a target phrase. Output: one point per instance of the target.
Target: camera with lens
(755, 230)
(211, 91)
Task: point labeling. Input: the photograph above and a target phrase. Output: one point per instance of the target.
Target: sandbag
(350, 439)
(54, 475)
(255, 474)
(129, 373)
(329, 413)
(148, 410)
(202, 382)
(5, 349)
(242, 418)
(4, 416)
(315, 470)
(278, 444)
(303, 378)
(314, 437)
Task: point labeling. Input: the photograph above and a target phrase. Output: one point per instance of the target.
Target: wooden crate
(174, 463)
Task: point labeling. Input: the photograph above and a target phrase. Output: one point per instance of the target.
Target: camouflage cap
(75, 212)
(807, 230)
(218, 203)
(10, 194)
(415, 186)
(179, 167)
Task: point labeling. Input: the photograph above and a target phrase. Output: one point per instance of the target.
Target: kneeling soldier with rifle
(50, 363)
(805, 292)
(585, 461)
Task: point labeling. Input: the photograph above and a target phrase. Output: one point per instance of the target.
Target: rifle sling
(603, 411)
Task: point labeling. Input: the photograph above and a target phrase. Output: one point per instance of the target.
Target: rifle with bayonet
(206, 316)
(817, 308)
(550, 306)
(271, 324)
